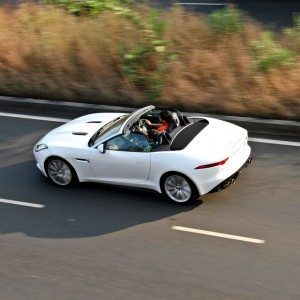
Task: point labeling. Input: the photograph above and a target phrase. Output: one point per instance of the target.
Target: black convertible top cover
(187, 134)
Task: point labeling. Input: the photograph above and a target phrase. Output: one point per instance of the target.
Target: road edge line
(130, 109)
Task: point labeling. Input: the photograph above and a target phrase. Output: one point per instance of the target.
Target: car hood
(78, 132)
(218, 140)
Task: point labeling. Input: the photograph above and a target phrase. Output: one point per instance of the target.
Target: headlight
(40, 147)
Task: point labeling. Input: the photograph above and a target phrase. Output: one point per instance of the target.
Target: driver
(163, 125)
(153, 129)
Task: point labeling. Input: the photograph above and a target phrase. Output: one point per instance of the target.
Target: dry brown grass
(47, 53)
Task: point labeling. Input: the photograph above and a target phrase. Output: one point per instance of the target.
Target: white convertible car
(159, 149)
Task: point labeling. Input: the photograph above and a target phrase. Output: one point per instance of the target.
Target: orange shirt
(163, 127)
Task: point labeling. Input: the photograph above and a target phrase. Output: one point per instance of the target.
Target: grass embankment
(223, 63)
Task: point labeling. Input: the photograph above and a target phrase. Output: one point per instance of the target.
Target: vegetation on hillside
(115, 52)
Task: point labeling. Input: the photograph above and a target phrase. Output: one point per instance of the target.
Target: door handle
(140, 162)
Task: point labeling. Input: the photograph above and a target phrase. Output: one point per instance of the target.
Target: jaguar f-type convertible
(178, 156)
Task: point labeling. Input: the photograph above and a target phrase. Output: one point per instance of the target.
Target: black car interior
(162, 140)
(142, 138)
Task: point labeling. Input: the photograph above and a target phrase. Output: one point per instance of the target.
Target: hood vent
(79, 133)
(95, 122)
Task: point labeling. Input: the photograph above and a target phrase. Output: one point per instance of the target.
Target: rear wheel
(178, 188)
(60, 172)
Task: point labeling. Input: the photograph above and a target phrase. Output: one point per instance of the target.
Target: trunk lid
(218, 140)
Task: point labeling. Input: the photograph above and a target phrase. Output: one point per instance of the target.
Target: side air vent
(79, 133)
(95, 122)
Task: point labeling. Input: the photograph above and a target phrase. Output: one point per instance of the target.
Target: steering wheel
(142, 125)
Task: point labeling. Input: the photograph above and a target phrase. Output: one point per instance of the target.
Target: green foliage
(152, 29)
(226, 20)
(88, 7)
(297, 23)
(293, 34)
(268, 54)
(157, 24)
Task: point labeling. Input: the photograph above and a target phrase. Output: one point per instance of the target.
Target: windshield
(108, 130)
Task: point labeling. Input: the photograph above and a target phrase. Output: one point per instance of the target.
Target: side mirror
(101, 148)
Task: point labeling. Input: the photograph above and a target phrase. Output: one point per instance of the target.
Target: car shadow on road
(82, 211)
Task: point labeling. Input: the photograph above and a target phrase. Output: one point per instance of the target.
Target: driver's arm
(148, 123)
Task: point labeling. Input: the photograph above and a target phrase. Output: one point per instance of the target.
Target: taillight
(219, 163)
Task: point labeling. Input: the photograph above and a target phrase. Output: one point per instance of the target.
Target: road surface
(272, 14)
(101, 242)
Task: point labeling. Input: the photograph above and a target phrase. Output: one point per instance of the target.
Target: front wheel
(60, 172)
(178, 188)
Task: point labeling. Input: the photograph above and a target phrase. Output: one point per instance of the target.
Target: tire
(60, 172)
(178, 188)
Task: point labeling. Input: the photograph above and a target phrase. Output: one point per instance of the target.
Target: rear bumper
(208, 179)
(231, 179)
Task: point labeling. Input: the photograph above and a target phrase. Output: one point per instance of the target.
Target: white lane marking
(35, 205)
(69, 104)
(201, 3)
(40, 118)
(218, 234)
(122, 108)
(276, 142)
(31, 117)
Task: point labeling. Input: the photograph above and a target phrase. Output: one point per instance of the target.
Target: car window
(132, 142)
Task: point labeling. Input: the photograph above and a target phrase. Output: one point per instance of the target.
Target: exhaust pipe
(249, 160)
(231, 180)
(228, 183)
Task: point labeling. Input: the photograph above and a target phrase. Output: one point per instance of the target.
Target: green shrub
(268, 54)
(297, 23)
(226, 21)
(88, 7)
(134, 60)
(293, 34)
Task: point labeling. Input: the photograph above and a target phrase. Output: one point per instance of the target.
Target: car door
(125, 159)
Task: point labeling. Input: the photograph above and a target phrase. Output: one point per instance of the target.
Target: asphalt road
(101, 242)
(272, 14)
